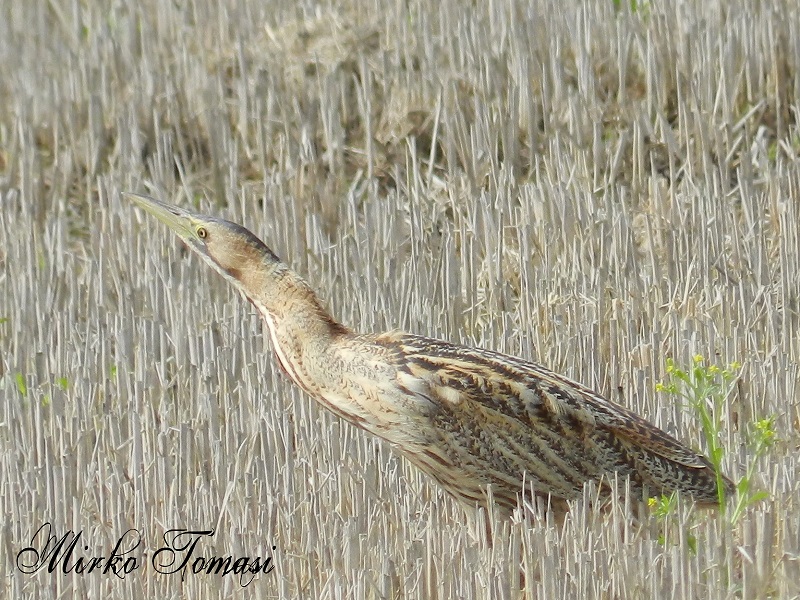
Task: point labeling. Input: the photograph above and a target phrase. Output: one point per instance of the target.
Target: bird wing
(623, 423)
(528, 393)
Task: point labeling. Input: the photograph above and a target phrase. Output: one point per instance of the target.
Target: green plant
(762, 438)
(703, 389)
(663, 507)
(22, 387)
(635, 5)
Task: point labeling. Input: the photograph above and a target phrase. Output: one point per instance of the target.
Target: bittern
(467, 417)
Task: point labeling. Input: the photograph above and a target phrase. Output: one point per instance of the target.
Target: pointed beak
(177, 219)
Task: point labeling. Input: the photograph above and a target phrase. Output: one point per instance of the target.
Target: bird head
(227, 247)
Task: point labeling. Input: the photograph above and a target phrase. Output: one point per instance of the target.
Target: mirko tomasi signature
(182, 553)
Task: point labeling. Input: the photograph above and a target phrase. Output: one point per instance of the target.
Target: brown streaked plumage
(470, 418)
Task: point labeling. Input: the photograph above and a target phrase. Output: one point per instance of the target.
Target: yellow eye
(202, 233)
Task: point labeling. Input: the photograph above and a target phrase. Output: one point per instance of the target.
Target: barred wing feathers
(499, 419)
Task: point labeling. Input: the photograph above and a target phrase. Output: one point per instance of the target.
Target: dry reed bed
(593, 187)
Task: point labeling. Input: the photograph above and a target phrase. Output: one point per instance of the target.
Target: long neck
(300, 328)
(331, 363)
